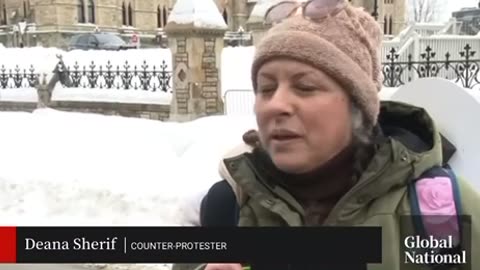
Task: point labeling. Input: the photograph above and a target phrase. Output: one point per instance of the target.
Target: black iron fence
(18, 78)
(464, 69)
(93, 76)
(122, 77)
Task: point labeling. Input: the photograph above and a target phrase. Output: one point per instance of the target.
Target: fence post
(416, 53)
(45, 89)
(44, 94)
(196, 60)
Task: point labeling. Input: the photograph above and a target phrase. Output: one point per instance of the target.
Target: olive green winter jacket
(380, 196)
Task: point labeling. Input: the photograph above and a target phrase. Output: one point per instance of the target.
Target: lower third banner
(190, 245)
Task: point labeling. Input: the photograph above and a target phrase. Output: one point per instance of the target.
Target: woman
(333, 152)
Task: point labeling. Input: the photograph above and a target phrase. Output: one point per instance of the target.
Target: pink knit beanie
(346, 46)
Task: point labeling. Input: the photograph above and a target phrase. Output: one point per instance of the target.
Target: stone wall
(146, 111)
(181, 85)
(211, 83)
(196, 62)
(8, 106)
(397, 11)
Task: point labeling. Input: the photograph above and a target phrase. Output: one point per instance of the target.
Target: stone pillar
(240, 14)
(196, 56)
(400, 17)
(15, 9)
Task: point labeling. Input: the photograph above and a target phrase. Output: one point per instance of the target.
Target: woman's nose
(281, 102)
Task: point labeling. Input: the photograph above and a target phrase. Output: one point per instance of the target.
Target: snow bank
(236, 64)
(111, 95)
(19, 95)
(200, 13)
(87, 169)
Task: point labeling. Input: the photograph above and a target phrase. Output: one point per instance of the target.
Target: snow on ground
(64, 168)
(200, 13)
(19, 95)
(111, 95)
(236, 63)
(78, 169)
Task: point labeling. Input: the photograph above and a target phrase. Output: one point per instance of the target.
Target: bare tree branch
(424, 10)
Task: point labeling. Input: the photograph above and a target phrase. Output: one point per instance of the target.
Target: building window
(130, 14)
(25, 11)
(91, 11)
(159, 17)
(165, 16)
(390, 25)
(162, 17)
(225, 16)
(81, 11)
(124, 14)
(385, 25)
(3, 15)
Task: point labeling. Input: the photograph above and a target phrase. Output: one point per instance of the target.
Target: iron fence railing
(94, 76)
(239, 101)
(122, 77)
(464, 69)
(18, 78)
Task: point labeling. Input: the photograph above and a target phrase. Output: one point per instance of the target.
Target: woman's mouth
(283, 135)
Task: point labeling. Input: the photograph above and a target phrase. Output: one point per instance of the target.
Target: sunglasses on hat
(313, 10)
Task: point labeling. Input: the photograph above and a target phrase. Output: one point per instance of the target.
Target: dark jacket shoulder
(219, 206)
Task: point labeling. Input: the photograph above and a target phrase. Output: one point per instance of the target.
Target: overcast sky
(450, 6)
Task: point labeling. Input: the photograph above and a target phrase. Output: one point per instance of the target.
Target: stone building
(470, 19)
(53, 22)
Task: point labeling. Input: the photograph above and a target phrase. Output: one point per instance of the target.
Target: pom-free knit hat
(345, 45)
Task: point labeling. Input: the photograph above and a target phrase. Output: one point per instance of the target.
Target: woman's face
(303, 115)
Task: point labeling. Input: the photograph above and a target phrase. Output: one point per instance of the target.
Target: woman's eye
(306, 88)
(266, 89)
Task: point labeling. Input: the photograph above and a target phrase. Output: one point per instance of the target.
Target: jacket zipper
(352, 191)
(274, 194)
